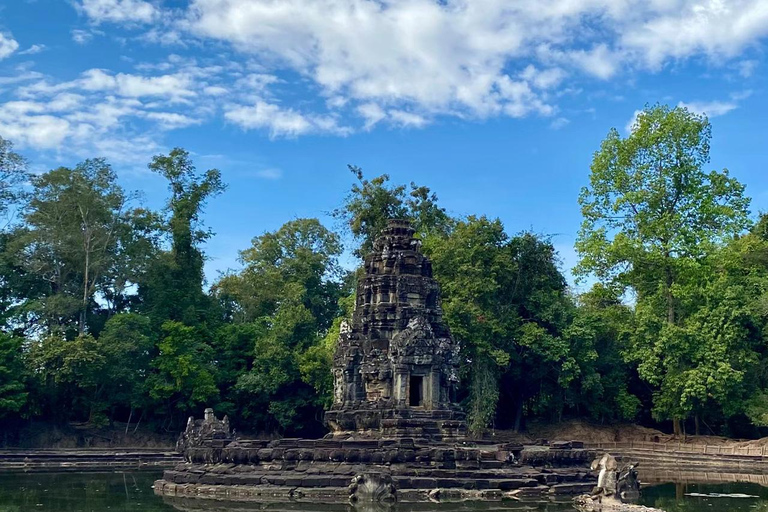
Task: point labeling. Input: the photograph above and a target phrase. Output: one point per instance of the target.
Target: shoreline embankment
(87, 459)
(698, 457)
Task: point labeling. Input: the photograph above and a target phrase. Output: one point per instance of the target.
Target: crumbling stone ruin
(396, 365)
(397, 433)
(208, 429)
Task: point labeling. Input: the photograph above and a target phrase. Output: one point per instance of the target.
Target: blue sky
(497, 105)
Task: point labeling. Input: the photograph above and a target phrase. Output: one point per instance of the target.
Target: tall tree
(288, 294)
(13, 376)
(173, 287)
(504, 300)
(371, 203)
(598, 333)
(651, 214)
(13, 175)
(74, 223)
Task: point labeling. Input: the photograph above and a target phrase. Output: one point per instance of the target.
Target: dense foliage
(106, 316)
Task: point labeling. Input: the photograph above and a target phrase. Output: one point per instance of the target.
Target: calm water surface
(131, 491)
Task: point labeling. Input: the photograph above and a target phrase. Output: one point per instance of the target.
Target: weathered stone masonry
(396, 365)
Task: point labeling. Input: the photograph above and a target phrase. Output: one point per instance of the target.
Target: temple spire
(396, 358)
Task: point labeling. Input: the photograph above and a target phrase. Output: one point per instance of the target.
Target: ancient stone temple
(396, 366)
(397, 433)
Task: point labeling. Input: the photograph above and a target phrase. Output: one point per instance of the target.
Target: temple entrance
(416, 392)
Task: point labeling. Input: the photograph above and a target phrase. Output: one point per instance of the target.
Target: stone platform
(384, 470)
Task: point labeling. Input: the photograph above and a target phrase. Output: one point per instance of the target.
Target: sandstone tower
(395, 368)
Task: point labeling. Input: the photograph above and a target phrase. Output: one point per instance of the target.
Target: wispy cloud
(269, 174)
(710, 108)
(118, 11)
(560, 122)
(32, 50)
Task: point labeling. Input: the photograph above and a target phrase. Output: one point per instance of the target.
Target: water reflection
(690, 497)
(79, 492)
(192, 505)
(131, 491)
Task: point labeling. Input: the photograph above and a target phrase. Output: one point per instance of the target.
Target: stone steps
(66, 460)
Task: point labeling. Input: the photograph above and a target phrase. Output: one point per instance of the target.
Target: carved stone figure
(615, 487)
(199, 431)
(396, 358)
(372, 488)
(607, 478)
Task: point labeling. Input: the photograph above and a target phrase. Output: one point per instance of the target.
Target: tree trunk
(668, 295)
(81, 326)
(519, 416)
(129, 421)
(696, 423)
(139, 422)
(676, 426)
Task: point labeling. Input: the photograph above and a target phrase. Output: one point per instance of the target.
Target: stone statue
(616, 487)
(372, 488)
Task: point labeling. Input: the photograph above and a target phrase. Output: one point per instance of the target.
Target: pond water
(131, 491)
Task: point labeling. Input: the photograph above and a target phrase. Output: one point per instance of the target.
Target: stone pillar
(400, 387)
(434, 389)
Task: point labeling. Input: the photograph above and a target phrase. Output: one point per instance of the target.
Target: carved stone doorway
(416, 391)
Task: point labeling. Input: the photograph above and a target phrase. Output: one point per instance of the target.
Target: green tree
(13, 175)
(504, 300)
(77, 222)
(598, 337)
(172, 288)
(184, 376)
(13, 376)
(286, 296)
(128, 345)
(72, 372)
(651, 214)
(371, 203)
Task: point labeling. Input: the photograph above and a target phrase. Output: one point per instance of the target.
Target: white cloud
(177, 87)
(631, 123)
(680, 29)
(599, 61)
(216, 90)
(35, 48)
(372, 113)
(379, 62)
(81, 36)
(119, 115)
(279, 121)
(710, 108)
(560, 122)
(404, 63)
(746, 67)
(269, 174)
(407, 119)
(25, 127)
(172, 120)
(545, 79)
(118, 11)
(8, 45)
(458, 57)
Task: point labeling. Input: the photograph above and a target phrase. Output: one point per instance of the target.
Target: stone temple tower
(395, 368)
